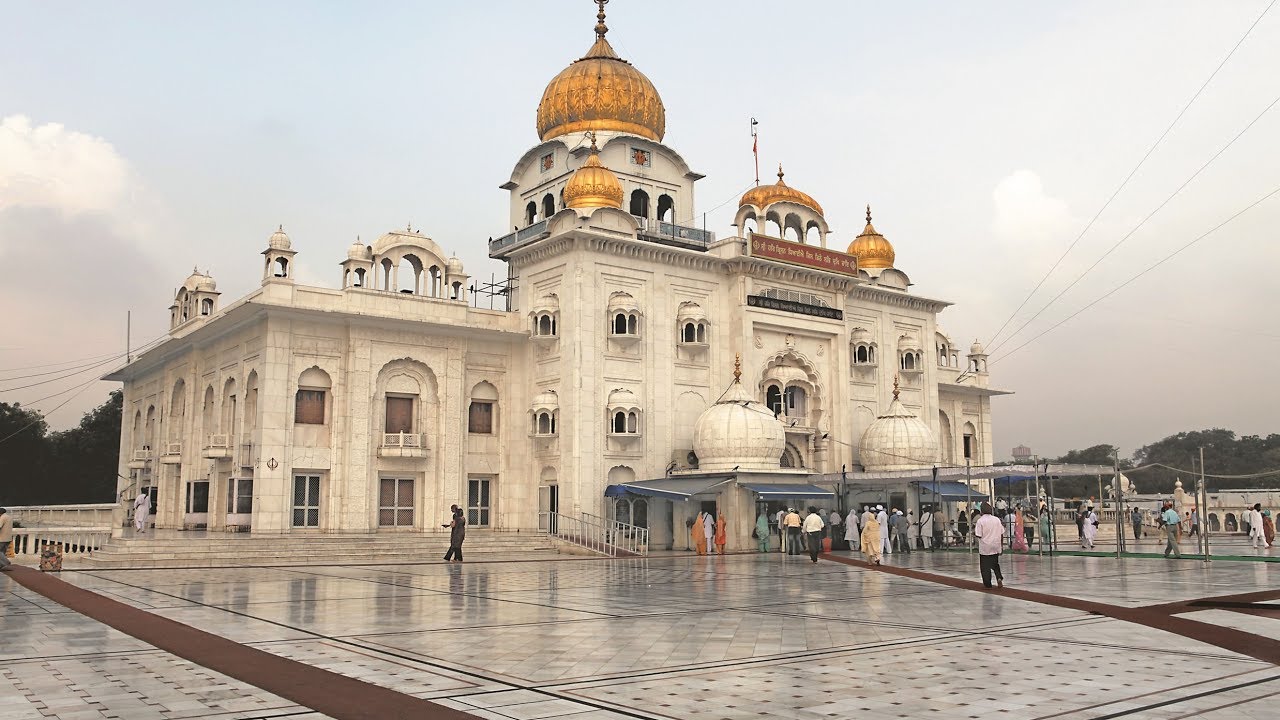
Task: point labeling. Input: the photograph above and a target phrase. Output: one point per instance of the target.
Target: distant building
(1022, 454)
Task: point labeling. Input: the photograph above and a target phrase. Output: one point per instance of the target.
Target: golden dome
(593, 185)
(871, 248)
(763, 195)
(601, 91)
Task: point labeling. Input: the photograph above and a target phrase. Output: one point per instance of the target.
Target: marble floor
(741, 636)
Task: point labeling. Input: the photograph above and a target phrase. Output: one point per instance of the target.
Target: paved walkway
(675, 636)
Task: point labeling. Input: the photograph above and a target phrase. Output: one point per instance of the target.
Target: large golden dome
(593, 185)
(763, 195)
(871, 248)
(601, 91)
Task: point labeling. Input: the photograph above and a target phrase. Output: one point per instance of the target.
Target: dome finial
(601, 28)
(780, 173)
(895, 386)
(868, 213)
(592, 135)
(737, 367)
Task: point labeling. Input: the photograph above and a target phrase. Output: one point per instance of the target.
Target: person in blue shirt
(1169, 518)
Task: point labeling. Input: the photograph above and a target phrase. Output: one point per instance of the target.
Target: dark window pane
(309, 407)
(399, 415)
(313, 518)
(298, 516)
(480, 417)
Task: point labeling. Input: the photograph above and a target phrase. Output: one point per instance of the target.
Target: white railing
(607, 537)
(218, 441)
(402, 440)
(94, 515)
(142, 453)
(173, 448)
(74, 541)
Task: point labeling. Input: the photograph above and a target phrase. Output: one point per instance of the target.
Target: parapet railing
(93, 515)
(74, 541)
(607, 537)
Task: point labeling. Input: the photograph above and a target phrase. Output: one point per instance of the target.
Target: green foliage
(74, 466)
(1224, 454)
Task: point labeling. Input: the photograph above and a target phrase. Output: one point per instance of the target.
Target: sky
(141, 139)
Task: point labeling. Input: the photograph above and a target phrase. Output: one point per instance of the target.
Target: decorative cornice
(889, 297)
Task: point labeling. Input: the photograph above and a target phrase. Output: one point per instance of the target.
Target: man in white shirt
(926, 528)
(886, 545)
(782, 530)
(990, 534)
(814, 529)
(833, 527)
(1257, 536)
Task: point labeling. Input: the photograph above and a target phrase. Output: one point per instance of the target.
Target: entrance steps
(171, 549)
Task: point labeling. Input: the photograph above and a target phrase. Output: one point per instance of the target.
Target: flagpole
(755, 148)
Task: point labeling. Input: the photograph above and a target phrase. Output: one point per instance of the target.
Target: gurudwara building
(639, 368)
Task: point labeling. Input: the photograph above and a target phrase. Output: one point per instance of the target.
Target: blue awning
(671, 488)
(615, 491)
(783, 490)
(954, 491)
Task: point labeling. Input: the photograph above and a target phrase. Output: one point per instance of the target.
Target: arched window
(640, 203)
(619, 422)
(773, 399)
(666, 208)
(690, 332)
(633, 422)
(749, 225)
(861, 354)
(548, 205)
(812, 234)
(620, 324)
(484, 399)
(309, 403)
(794, 400)
(206, 306)
(359, 277)
(546, 325)
(530, 213)
(773, 225)
(282, 267)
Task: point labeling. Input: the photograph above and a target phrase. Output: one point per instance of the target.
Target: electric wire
(79, 389)
(1135, 228)
(1148, 269)
(1128, 177)
(71, 372)
(89, 358)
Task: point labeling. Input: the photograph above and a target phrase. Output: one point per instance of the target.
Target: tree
(84, 459)
(23, 453)
(1224, 454)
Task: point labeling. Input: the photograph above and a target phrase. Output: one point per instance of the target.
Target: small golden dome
(593, 185)
(779, 192)
(601, 91)
(871, 248)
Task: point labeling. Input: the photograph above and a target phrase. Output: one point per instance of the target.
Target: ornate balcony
(217, 447)
(402, 445)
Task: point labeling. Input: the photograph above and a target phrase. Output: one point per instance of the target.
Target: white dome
(206, 283)
(453, 266)
(546, 400)
(359, 251)
(278, 240)
(623, 399)
(738, 432)
(898, 440)
(977, 349)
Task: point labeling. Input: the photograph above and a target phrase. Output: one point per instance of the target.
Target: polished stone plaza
(670, 636)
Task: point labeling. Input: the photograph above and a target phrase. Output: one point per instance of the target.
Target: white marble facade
(623, 328)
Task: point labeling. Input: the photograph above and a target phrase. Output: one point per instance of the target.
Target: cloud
(49, 166)
(1024, 213)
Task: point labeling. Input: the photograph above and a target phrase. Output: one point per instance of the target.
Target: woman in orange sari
(1268, 528)
(699, 535)
(721, 535)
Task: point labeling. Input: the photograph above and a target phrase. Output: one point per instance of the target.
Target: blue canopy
(670, 488)
(952, 491)
(783, 490)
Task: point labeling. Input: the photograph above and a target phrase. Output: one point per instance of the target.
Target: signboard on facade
(794, 307)
(786, 251)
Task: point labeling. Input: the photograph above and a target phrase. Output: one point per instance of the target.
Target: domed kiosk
(898, 440)
(738, 433)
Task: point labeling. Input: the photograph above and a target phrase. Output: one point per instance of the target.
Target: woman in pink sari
(1019, 539)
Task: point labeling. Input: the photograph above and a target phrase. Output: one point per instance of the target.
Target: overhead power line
(73, 372)
(1135, 228)
(1132, 172)
(1148, 269)
(79, 389)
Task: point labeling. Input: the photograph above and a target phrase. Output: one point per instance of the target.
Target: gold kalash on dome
(601, 91)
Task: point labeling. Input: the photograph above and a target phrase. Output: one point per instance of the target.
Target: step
(96, 562)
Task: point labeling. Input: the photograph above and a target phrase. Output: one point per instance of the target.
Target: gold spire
(601, 91)
(593, 185)
(737, 367)
(871, 248)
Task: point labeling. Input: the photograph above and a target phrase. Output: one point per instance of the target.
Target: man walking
(926, 528)
(1195, 522)
(1170, 520)
(6, 537)
(457, 533)
(142, 510)
(1257, 537)
(779, 521)
(814, 527)
(990, 534)
(1136, 518)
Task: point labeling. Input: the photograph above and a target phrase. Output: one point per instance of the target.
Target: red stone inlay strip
(1237, 641)
(326, 692)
